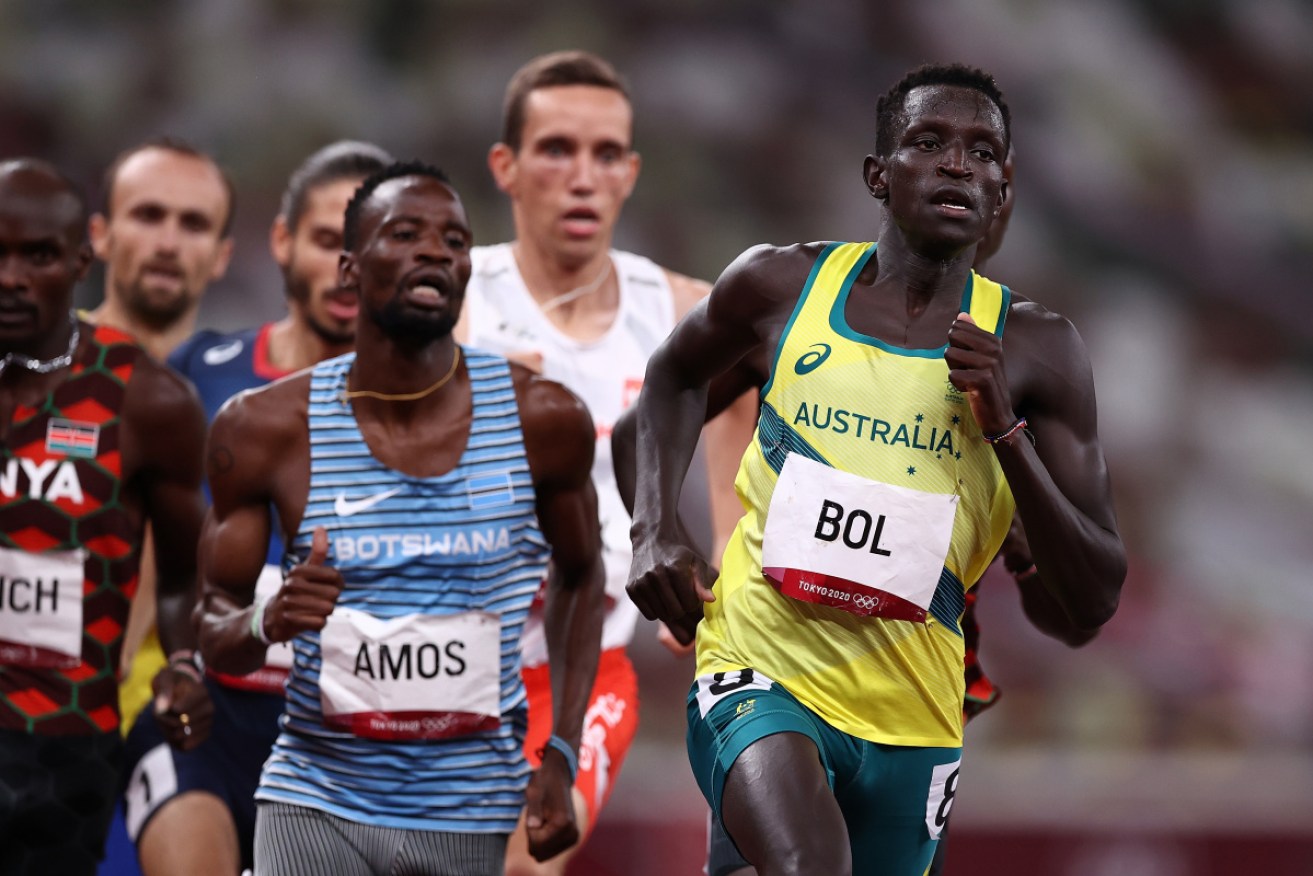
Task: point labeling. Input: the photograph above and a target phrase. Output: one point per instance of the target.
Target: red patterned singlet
(61, 504)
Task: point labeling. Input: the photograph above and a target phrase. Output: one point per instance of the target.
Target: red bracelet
(1016, 427)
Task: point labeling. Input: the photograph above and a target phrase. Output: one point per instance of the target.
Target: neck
(922, 277)
(294, 345)
(390, 367)
(159, 342)
(567, 285)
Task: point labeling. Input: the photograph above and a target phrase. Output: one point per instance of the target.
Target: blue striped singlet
(464, 541)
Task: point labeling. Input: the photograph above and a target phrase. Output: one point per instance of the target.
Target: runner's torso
(439, 573)
(70, 543)
(872, 435)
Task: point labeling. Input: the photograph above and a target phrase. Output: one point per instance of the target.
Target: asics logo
(811, 360)
(222, 353)
(344, 507)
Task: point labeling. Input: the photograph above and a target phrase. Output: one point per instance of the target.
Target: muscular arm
(167, 428)
(744, 312)
(732, 412)
(559, 438)
(559, 441)
(1039, 606)
(252, 437)
(1060, 482)
(164, 431)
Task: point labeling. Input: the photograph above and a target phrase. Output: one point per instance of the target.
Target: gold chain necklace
(348, 394)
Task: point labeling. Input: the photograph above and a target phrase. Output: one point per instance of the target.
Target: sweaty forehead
(952, 102)
(415, 196)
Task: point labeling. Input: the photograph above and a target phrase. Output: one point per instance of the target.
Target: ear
(502, 163)
(220, 266)
(280, 242)
(1004, 193)
(83, 260)
(348, 271)
(98, 233)
(873, 172)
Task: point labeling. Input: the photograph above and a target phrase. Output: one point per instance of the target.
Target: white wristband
(257, 622)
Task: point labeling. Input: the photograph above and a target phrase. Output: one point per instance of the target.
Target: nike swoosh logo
(344, 507)
(222, 353)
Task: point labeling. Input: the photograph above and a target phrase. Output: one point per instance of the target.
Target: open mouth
(952, 202)
(342, 305)
(427, 290)
(582, 221)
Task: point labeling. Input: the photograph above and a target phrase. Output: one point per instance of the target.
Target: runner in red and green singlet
(96, 438)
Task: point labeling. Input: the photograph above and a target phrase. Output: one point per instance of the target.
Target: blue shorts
(895, 799)
(227, 764)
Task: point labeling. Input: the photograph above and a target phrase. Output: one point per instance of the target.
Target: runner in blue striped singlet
(422, 489)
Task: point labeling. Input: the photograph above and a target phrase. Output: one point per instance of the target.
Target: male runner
(98, 439)
(441, 479)
(879, 486)
(723, 859)
(208, 795)
(559, 299)
(164, 235)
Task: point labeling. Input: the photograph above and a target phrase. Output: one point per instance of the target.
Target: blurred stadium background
(1164, 185)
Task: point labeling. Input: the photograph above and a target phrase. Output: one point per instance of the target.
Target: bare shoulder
(1045, 352)
(559, 435)
(156, 394)
(272, 412)
(766, 275)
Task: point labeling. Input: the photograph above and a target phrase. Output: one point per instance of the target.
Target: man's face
(574, 170)
(412, 260)
(162, 239)
(42, 256)
(308, 256)
(944, 176)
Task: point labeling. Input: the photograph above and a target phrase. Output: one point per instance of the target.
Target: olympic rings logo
(861, 600)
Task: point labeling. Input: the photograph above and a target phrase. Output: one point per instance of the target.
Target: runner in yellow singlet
(879, 485)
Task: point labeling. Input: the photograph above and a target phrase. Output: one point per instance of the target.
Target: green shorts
(895, 799)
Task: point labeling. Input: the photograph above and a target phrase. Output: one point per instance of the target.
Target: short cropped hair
(182, 147)
(38, 166)
(345, 159)
(549, 71)
(395, 170)
(893, 102)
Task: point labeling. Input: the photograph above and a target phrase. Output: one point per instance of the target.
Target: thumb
(318, 547)
(700, 585)
(163, 693)
(966, 318)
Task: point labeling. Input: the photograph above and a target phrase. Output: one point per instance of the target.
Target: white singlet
(607, 373)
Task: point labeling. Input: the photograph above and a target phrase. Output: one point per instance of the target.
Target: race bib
(41, 608)
(270, 678)
(940, 795)
(413, 677)
(833, 538)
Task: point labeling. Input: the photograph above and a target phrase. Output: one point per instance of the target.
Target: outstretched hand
(669, 582)
(975, 368)
(308, 595)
